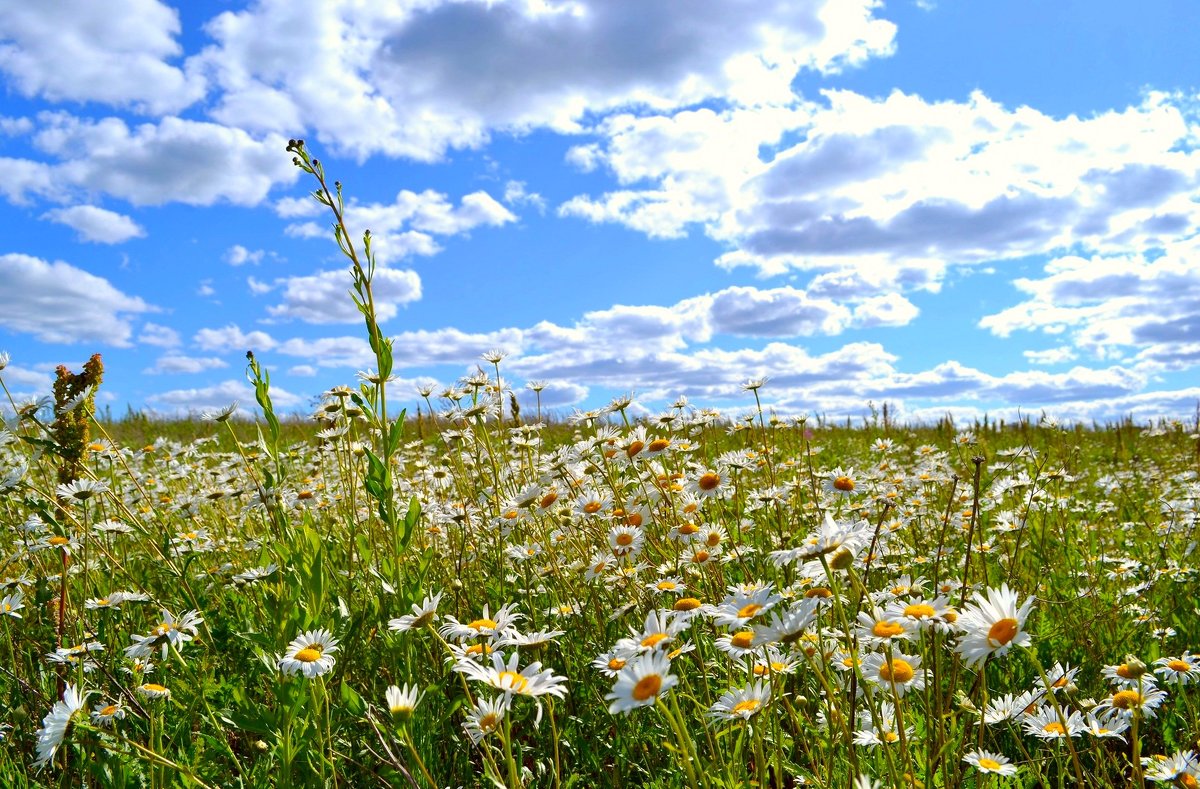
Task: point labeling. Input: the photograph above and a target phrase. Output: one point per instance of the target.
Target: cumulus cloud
(232, 339)
(899, 180)
(57, 302)
(172, 160)
(95, 224)
(157, 335)
(414, 81)
(407, 225)
(238, 255)
(179, 363)
(322, 297)
(191, 402)
(1111, 305)
(114, 53)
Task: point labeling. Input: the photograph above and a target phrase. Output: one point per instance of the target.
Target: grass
(692, 599)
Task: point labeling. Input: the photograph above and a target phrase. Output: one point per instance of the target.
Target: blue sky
(954, 207)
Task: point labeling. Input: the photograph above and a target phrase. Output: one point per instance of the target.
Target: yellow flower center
(919, 611)
(988, 764)
(511, 680)
(659, 444)
(688, 529)
(153, 688)
(1126, 699)
(109, 710)
(304, 495)
(700, 557)
(489, 722)
(713, 539)
(898, 671)
(1002, 632)
(886, 629)
(1181, 666)
(1054, 727)
(653, 640)
(686, 604)
(818, 591)
(480, 624)
(1124, 671)
(548, 499)
(742, 639)
(478, 649)
(58, 540)
(708, 481)
(634, 519)
(634, 448)
(666, 586)
(844, 484)
(890, 736)
(749, 610)
(749, 706)
(624, 539)
(592, 507)
(616, 664)
(646, 687)
(308, 655)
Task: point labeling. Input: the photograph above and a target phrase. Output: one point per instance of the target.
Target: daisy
(899, 673)
(151, 690)
(1108, 725)
(1129, 674)
(710, 485)
(737, 644)
(105, 714)
(1048, 725)
(55, 724)
(743, 605)
(529, 681)
(881, 729)
(840, 482)
(169, 632)
(310, 653)
(669, 585)
(422, 615)
(488, 624)
(1130, 701)
(81, 489)
(773, 662)
(989, 762)
(880, 629)
(641, 683)
(1183, 768)
(788, 626)
(741, 703)
(485, 717)
(402, 701)
(611, 662)
(10, 604)
(991, 625)
(1173, 670)
(659, 630)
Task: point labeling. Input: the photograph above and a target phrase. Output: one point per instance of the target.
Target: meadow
(686, 599)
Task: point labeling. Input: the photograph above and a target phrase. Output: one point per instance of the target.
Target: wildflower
(898, 672)
(169, 632)
(488, 624)
(1179, 670)
(710, 485)
(737, 644)
(310, 653)
(881, 729)
(740, 607)
(1106, 725)
(840, 482)
(105, 714)
(611, 662)
(81, 489)
(1129, 674)
(485, 717)
(153, 691)
(741, 703)
(55, 724)
(1182, 768)
(878, 629)
(991, 625)
(789, 625)
(255, 574)
(1048, 724)
(403, 701)
(989, 762)
(422, 615)
(641, 683)
(1130, 701)
(11, 603)
(220, 414)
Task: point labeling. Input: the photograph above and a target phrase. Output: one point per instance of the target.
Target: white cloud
(516, 194)
(238, 255)
(161, 336)
(96, 224)
(179, 363)
(324, 297)
(190, 402)
(57, 302)
(116, 52)
(205, 288)
(1050, 356)
(899, 181)
(302, 371)
(407, 225)
(1108, 305)
(232, 338)
(173, 160)
(415, 81)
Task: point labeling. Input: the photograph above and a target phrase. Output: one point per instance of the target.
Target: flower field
(689, 599)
